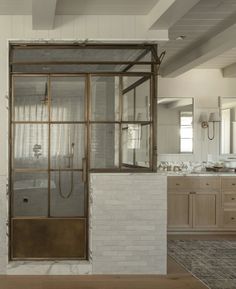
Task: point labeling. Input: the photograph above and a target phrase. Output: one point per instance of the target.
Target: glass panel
(30, 196)
(30, 146)
(135, 144)
(147, 57)
(134, 136)
(141, 67)
(104, 145)
(67, 145)
(67, 68)
(136, 103)
(68, 97)
(127, 81)
(127, 149)
(142, 102)
(128, 106)
(67, 194)
(105, 98)
(30, 102)
(77, 54)
(143, 152)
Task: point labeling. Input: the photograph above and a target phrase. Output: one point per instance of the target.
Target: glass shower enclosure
(73, 110)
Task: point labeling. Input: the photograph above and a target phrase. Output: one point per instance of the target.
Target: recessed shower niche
(74, 110)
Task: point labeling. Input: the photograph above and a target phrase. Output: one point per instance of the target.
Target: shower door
(49, 167)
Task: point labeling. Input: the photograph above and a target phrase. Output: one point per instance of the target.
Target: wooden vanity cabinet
(179, 210)
(179, 202)
(228, 188)
(193, 203)
(206, 210)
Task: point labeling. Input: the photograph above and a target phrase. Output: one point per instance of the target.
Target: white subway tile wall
(129, 223)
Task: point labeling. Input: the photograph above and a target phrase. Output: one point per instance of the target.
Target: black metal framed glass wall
(74, 110)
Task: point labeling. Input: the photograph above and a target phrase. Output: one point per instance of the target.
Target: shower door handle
(84, 172)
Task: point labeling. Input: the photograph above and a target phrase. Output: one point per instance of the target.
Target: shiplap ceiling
(200, 21)
(204, 20)
(81, 7)
(208, 26)
(111, 7)
(221, 61)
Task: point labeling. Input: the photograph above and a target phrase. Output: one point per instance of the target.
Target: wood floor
(172, 281)
(177, 277)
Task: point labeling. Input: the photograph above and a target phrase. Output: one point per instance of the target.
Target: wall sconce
(205, 123)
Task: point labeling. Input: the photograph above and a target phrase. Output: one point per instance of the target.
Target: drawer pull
(233, 184)
(192, 193)
(177, 184)
(207, 184)
(233, 199)
(232, 218)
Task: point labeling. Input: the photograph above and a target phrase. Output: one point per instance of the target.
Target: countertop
(197, 174)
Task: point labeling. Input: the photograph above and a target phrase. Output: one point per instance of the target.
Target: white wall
(205, 86)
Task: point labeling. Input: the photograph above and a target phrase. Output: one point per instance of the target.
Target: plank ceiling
(201, 22)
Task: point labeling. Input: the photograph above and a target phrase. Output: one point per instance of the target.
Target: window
(186, 132)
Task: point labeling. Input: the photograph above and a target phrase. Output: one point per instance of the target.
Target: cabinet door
(205, 210)
(229, 219)
(179, 210)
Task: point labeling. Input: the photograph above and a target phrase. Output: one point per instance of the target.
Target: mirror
(228, 125)
(174, 125)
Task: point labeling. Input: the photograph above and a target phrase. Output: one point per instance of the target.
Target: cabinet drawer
(210, 183)
(229, 184)
(229, 199)
(230, 219)
(183, 183)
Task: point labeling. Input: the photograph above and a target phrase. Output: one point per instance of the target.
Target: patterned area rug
(213, 262)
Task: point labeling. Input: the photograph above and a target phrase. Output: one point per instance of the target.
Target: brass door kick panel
(49, 238)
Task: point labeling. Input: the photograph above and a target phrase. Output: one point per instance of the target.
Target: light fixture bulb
(180, 37)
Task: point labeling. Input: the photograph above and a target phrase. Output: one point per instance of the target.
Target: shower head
(45, 98)
(72, 148)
